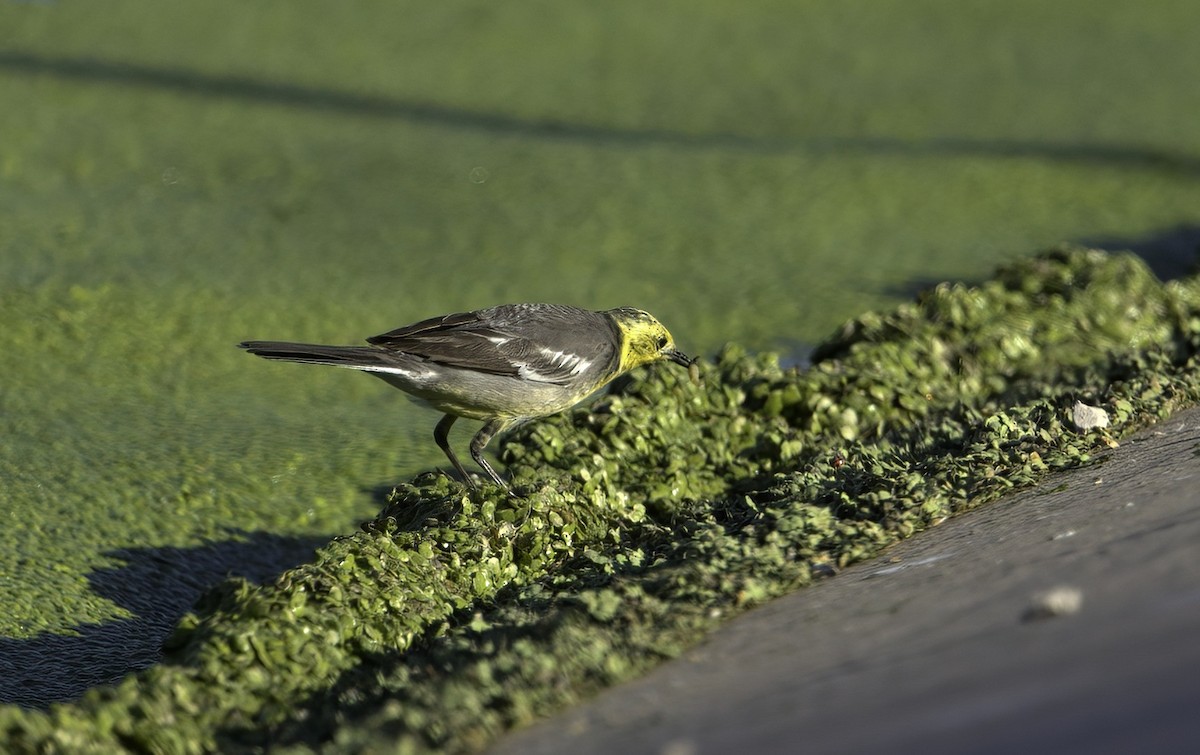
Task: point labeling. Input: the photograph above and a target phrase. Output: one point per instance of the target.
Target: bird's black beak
(678, 357)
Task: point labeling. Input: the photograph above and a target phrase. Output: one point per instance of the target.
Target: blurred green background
(176, 177)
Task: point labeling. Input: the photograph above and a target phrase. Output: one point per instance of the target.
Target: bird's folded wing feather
(541, 343)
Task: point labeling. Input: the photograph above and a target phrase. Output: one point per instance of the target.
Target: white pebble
(1057, 601)
(1088, 417)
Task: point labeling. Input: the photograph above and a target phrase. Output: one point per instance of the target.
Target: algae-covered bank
(652, 515)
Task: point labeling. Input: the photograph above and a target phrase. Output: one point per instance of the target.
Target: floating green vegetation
(650, 516)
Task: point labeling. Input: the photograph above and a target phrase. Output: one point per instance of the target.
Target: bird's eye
(661, 343)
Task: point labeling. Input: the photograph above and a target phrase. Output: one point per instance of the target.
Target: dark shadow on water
(1170, 254)
(247, 88)
(158, 586)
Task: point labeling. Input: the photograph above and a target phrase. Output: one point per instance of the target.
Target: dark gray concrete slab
(930, 648)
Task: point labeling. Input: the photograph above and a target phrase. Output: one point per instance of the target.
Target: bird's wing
(539, 342)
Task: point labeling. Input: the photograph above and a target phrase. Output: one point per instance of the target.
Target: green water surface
(177, 177)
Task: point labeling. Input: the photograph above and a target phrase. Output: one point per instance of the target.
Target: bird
(504, 365)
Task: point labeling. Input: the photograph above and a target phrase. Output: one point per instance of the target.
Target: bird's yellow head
(644, 339)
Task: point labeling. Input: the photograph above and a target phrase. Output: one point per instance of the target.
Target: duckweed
(651, 515)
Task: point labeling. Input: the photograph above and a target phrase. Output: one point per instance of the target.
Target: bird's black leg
(479, 442)
(441, 436)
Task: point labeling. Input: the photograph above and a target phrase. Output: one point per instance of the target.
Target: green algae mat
(179, 177)
(650, 516)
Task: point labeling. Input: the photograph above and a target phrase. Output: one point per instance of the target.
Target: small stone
(680, 747)
(1057, 601)
(1088, 417)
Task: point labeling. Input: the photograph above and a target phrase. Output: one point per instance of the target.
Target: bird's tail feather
(355, 357)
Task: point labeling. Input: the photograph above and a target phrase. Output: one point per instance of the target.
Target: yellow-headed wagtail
(504, 365)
